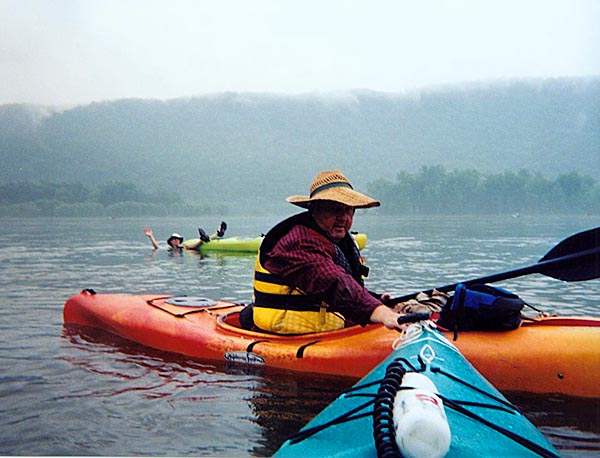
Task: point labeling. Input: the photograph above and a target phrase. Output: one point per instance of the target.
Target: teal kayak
(248, 244)
(452, 411)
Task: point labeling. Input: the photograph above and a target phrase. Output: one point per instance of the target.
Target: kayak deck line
(397, 368)
(556, 320)
(174, 304)
(363, 421)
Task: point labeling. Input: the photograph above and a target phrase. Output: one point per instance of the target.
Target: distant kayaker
(309, 273)
(175, 241)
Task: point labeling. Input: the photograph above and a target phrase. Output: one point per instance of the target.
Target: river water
(72, 391)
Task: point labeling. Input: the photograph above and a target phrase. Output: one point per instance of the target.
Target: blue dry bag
(481, 307)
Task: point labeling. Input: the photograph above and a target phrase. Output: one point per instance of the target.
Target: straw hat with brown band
(332, 185)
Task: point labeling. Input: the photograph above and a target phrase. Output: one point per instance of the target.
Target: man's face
(334, 218)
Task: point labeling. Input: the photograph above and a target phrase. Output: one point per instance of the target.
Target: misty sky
(62, 52)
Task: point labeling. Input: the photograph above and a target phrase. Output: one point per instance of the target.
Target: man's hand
(386, 316)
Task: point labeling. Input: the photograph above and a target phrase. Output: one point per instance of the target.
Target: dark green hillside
(256, 149)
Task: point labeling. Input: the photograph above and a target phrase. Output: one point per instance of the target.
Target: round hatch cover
(191, 301)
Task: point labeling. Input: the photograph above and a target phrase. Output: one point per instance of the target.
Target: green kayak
(229, 244)
(248, 244)
(425, 399)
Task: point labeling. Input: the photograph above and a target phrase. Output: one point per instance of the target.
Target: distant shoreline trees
(433, 189)
(26, 199)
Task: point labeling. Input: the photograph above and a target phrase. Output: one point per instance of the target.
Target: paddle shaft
(541, 267)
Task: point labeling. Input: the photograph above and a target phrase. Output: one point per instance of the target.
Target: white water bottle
(420, 421)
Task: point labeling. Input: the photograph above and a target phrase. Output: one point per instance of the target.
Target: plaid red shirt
(306, 260)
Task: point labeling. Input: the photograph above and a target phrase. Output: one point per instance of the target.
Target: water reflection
(262, 406)
(571, 424)
(272, 404)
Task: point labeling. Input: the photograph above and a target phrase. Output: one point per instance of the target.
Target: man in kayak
(175, 241)
(309, 273)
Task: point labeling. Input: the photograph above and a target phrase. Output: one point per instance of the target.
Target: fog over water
(67, 52)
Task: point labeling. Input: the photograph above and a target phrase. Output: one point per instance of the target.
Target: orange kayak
(545, 355)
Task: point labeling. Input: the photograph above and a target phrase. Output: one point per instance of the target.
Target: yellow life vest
(283, 309)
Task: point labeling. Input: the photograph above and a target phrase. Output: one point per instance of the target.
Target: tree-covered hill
(253, 150)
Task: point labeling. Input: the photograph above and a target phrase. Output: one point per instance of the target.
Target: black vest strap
(298, 303)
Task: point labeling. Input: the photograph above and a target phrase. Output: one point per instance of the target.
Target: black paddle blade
(576, 258)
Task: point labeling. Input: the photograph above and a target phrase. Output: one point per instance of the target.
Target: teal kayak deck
(482, 422)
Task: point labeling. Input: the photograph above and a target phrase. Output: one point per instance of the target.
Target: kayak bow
(393, 412)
